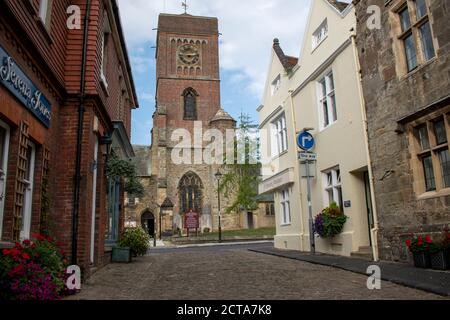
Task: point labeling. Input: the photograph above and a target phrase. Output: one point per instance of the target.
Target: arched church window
(190, 190)
(190, 104)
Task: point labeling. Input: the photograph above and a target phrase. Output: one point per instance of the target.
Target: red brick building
(66, 96)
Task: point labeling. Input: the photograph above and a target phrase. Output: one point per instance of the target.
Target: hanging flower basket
(330, 222)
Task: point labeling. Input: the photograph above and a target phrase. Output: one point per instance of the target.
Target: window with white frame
(285, 207)
(45, 9)
(104, 47)
(275, 86)
(327, 100)
(4, 147)
(279, 136)
(28, 193)
(320, 34)
(333, 187)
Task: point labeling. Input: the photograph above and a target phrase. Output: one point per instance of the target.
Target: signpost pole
(305, 141)
(311, 229)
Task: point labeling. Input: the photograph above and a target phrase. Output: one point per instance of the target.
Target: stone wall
(391, 95)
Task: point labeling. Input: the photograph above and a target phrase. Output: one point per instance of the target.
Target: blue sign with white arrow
(305, 141)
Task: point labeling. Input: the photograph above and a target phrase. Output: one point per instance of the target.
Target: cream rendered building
(322, 91)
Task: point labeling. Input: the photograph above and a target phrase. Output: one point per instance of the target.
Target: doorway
(250, 221)
(148, 223)
(369, 205)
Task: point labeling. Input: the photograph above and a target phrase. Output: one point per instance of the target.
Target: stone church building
(187, 97)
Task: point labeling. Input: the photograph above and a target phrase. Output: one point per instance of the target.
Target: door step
(364, 253)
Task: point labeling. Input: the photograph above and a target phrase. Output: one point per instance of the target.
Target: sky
(248, 28)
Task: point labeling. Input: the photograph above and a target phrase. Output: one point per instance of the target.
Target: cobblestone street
(231, 273)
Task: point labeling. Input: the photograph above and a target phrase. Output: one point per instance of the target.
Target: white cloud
(247, 26)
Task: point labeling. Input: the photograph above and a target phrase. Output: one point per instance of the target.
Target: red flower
(26, 256)
(408, 243)
(40, 237)
(50, 239)
(14, 252)
(6, 252)
(27, 242)
(420, 241)
(428, 239)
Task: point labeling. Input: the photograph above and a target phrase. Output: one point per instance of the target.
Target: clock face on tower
(189, 54)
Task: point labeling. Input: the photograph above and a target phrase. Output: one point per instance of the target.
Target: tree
(242, 175)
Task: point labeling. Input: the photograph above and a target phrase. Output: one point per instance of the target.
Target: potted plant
(420, 251)
(438, 255)
(137, 240)
(330, 222)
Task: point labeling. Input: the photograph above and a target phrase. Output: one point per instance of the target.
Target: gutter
(81, 109)
(375, 229)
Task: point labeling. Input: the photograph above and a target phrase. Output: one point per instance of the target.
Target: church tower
(187, 97)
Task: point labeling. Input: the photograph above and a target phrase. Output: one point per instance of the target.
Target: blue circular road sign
(305, 141)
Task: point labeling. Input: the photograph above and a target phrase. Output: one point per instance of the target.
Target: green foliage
(242, 177)
(137, 239)
(117, 168)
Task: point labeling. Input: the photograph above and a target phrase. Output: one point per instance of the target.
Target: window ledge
(327, 127)
(434, 194)
(286, 224)
(318, 45)
(280, 155)
(418, 68)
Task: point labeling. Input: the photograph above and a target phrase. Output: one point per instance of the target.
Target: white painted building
(321, 91)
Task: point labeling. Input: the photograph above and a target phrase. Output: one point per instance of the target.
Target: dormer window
(320, 34)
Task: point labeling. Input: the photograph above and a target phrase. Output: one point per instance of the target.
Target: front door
(28, 195)
(250, 222)
(369, 204)
(4, 146)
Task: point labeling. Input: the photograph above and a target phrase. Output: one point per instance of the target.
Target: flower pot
(439, 260)
(121, 255)
(422, 260)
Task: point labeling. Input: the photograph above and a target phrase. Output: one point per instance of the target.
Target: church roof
(288, 62)
(222, 115)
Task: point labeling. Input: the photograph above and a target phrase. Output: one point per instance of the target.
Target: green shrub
(137, 239)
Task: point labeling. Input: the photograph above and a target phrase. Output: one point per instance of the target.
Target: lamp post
(218, 177)
(167, 205)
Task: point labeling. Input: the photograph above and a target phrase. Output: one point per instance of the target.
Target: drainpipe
(374, 231)
(294, 130)
(77, 187)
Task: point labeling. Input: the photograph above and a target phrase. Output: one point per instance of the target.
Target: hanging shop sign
(20, 85)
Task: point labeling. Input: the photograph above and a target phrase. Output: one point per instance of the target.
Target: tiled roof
(222, 115)
(288, 62)
(341, 6)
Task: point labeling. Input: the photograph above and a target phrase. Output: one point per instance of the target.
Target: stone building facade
(39, 146)
(405, 69)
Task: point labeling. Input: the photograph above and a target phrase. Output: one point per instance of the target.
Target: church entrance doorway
(148, 223)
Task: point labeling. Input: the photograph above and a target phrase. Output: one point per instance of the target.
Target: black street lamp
(219, 176)
(167, 205)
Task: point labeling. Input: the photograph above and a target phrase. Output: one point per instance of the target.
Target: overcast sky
(248, 28)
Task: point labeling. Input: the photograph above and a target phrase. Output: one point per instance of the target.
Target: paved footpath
(231, 273)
